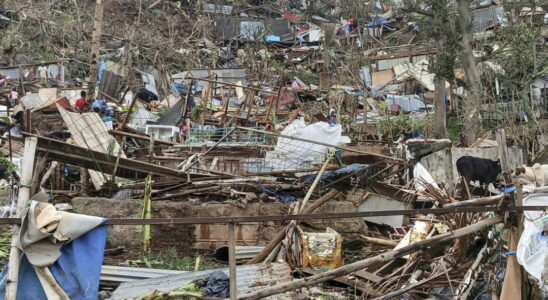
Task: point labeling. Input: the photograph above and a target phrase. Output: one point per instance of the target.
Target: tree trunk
(95, 44)
(440, 124)
(472, 101)
(381, 258)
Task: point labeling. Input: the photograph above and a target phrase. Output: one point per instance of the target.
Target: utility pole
(95, 44)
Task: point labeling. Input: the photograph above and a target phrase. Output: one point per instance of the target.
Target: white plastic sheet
(422, 176)
(293, 155)
(532, 250)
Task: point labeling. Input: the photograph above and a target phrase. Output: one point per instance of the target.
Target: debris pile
(311, 151)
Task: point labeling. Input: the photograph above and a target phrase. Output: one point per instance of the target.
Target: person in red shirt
(183, 129)
(80, 103)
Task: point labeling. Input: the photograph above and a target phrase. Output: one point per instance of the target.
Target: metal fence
(212, 134)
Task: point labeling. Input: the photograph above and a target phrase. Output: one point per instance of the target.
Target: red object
(63, 102)
(288, 16)
(350, 21)
(285, 98)
(80, 104)
(183, 128)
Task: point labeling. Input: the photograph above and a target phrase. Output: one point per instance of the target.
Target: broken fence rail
(250, 219)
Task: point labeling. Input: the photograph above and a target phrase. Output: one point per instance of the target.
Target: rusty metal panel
(110, 84)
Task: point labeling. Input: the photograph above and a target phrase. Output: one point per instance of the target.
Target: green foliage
(172, 260)
(6, 167)
(442, 27)
(196, 111)
(454, 128)
(393, 126)
(304, 75)
(5, 242)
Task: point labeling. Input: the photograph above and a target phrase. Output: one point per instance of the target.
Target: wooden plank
(102, 162)
(232, 261)
(22, 203)
(382, 77)
(369, 276)
(358, 285)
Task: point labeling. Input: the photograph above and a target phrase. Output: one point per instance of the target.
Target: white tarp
(419, 71)
(532, 250)
(294, 155)
(408, 103)
(422, 177)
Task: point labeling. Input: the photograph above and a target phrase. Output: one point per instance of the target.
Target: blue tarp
(377, 22)
(102, 68)
(335, 174)
(283, 198)
(179, 87)
(77, 270)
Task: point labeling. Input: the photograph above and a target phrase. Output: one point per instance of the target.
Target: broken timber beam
(318, 143)
(230, 84)
(355, 284)
(376, 241)
(60, 151)
(477, 201)
(144, 137)
(22, 203)
(382, 258)
(281, 234)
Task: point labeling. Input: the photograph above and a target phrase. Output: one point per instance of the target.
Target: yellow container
(322, 249)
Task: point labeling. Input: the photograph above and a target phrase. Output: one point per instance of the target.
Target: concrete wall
(442, 164)
(206, 236)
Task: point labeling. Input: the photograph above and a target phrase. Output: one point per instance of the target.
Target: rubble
(310, 148)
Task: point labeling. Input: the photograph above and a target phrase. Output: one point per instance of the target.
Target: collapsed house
(287, 182)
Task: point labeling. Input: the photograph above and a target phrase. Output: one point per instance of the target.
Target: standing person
(183, 128)
(14, 97)
(332, 117)
(351, 25)
(81, 102)
(43, 74)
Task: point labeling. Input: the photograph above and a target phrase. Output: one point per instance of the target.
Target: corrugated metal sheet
(31, 101)
(117, 274)
(487, 17)
(11, 72)
(228, 75)
(250, 278)
(386, 64)
(173, 115)
(89, 131)
(110, 84)
(216, 8)
(141, 115)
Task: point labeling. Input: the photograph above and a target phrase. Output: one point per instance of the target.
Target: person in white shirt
(43, 74)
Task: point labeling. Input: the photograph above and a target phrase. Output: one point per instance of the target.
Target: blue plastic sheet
(283, 198)
(378, 21)
(335, 174)
(77, 270)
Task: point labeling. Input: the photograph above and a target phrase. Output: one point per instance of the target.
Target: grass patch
(172, 260)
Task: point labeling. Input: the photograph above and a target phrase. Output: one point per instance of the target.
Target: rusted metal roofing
(250, 278)
(110, 84)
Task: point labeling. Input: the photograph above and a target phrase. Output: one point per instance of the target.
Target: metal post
(232, 260)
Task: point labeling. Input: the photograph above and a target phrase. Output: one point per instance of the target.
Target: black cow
(475, 168)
